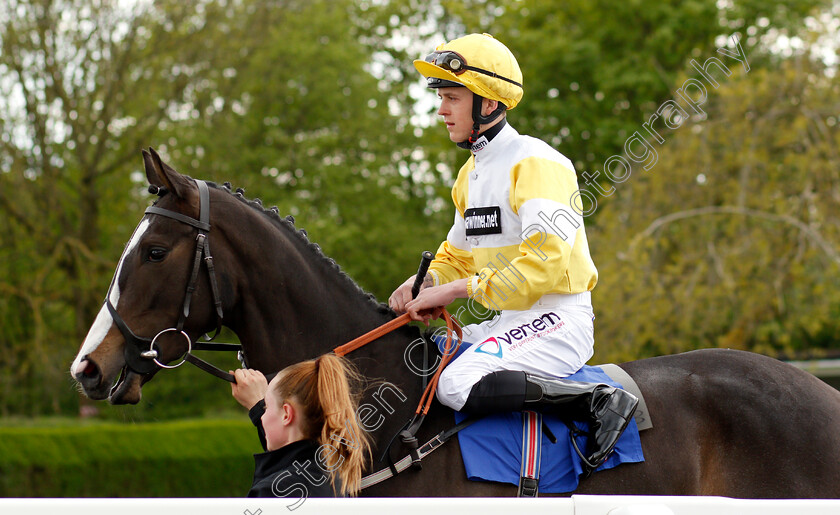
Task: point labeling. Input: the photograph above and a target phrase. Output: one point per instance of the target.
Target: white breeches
(554, 338)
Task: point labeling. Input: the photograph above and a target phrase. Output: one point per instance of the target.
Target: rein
(449, 350)
(142, 353)
(408, 435)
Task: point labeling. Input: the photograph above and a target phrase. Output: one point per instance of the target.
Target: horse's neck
(291, 302)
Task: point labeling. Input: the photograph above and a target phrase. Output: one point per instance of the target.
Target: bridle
(142, 353)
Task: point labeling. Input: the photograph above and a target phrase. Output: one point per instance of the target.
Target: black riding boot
(607, 409)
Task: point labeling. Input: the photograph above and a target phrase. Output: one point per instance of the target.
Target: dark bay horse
(726, 423)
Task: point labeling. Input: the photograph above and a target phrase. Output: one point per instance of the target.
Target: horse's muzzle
(124, 389)
(89, 376)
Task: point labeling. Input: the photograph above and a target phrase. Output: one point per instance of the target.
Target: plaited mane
(287, 223)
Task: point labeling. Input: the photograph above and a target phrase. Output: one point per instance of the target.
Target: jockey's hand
(249, 388)
(430, 302)
(402, 295)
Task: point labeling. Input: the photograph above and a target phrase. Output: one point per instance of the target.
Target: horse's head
(139, 327)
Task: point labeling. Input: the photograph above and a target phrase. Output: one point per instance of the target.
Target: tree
(296, 118)
(243, 92)
(593, 70)
(311, 106)
(84, 86)
(732, 239)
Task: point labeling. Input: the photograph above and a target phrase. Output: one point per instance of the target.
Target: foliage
(189, 458)
(314, 106)
(732, 239)
(84, 86)
(239, 92)
(296, 118)
(592, 69)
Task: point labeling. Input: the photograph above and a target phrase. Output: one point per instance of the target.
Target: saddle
(514, 447)
(497, 447)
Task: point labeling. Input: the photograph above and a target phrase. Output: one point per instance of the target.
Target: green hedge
(194, 458)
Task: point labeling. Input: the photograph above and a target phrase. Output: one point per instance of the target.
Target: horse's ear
(151, 176)
(160, 174)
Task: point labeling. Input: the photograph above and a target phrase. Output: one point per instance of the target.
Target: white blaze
(103, 321)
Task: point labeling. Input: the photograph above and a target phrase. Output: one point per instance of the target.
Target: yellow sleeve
(540, 193)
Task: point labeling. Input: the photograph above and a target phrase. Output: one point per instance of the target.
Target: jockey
(517, 246)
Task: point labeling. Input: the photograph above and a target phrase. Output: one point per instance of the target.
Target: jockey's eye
(157, 254)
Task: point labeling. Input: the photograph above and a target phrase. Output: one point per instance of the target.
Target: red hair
(327, 389)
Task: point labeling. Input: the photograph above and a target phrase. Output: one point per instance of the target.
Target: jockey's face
(456, 110)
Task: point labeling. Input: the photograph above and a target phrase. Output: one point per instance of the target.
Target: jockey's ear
(162, 175)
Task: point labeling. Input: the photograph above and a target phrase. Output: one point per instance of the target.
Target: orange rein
(449, 351)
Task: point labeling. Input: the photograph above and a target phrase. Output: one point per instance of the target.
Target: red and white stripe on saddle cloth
(529, 474)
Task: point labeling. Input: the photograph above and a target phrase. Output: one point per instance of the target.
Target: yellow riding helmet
(478, 61)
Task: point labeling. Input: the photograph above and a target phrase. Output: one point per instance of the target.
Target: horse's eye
(157, 254)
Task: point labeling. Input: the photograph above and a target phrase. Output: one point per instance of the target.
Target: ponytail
(327, 390)
(341, 428)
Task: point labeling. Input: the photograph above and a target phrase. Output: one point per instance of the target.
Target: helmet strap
(479, 119)
(473, 134)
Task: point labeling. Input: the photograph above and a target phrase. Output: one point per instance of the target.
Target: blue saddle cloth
(492, 446)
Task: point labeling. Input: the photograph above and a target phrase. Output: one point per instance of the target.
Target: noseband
(141, 353)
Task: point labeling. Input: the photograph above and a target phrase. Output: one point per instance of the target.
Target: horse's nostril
(90, 369)
(87, 369)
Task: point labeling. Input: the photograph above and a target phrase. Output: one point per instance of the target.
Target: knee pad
(497, 392)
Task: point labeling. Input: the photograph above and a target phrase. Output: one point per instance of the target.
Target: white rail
(576, 505)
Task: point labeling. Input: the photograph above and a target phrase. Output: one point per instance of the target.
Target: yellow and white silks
(523, 245)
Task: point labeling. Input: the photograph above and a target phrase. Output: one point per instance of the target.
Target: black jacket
(291, 471)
